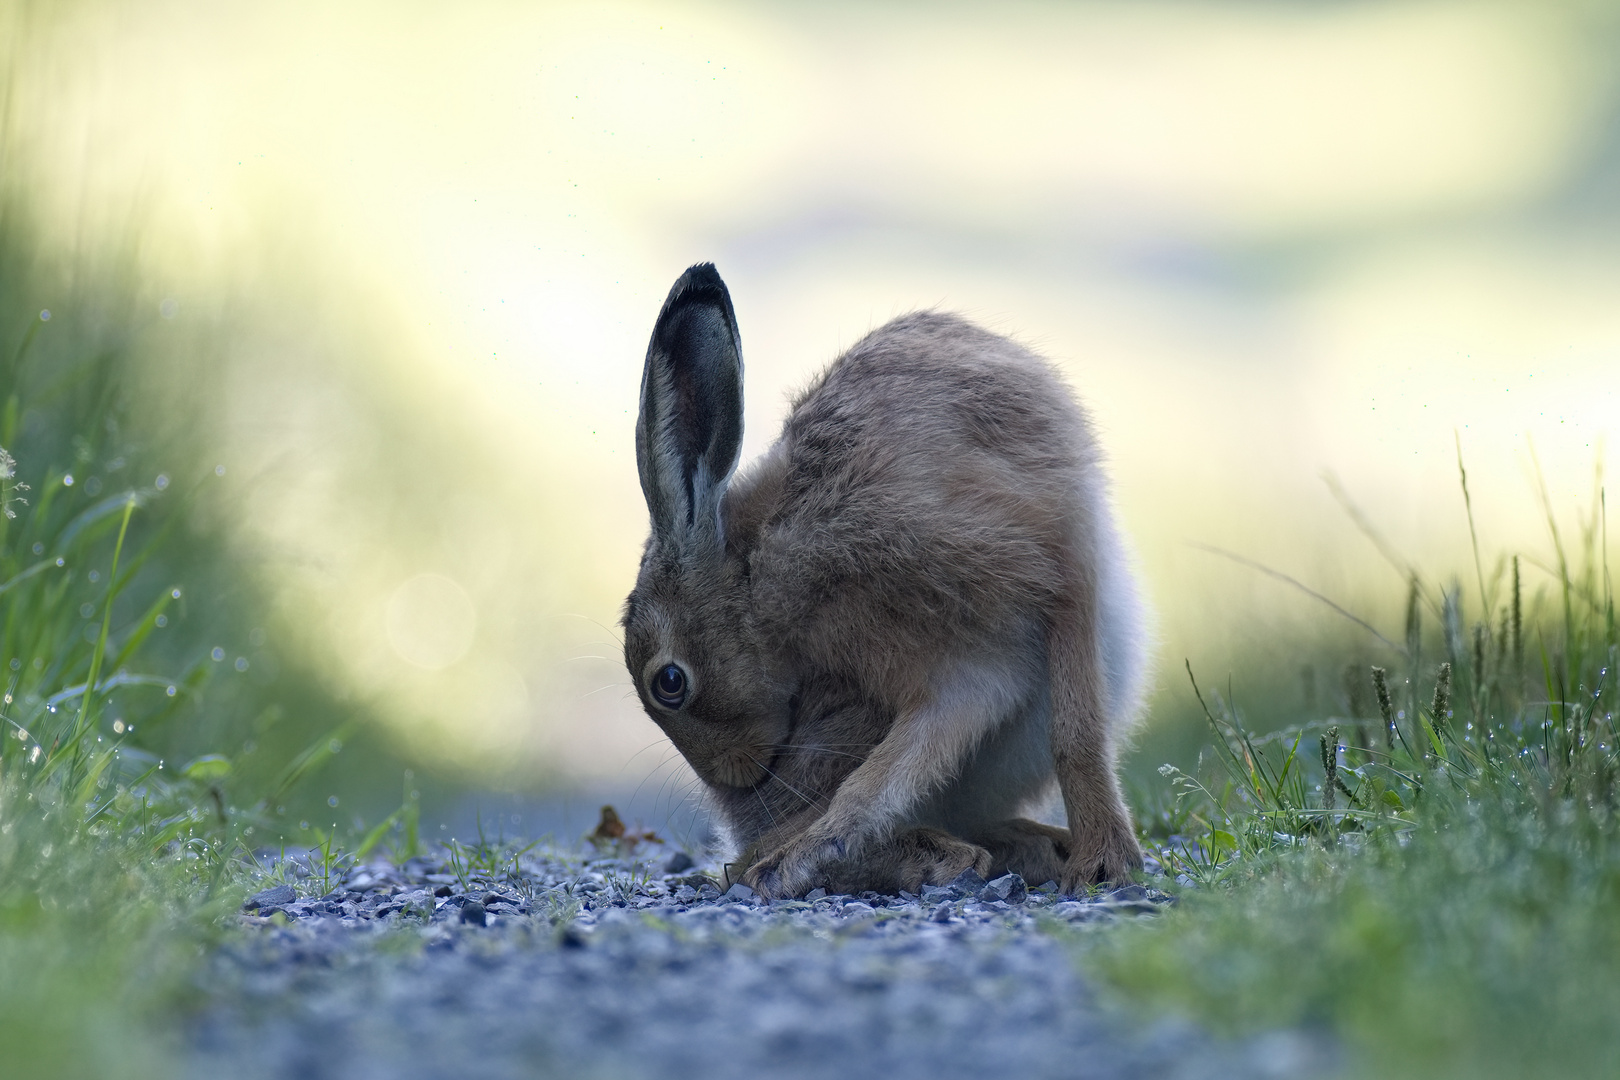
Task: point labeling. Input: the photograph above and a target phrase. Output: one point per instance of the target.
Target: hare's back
(932, 382)
(933, 410)
(935, 467)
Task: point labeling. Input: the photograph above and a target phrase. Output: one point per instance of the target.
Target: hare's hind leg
(1104, 846)
(1035, 852)
(908, 860)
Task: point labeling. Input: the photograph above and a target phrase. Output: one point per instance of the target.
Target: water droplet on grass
(218, 653)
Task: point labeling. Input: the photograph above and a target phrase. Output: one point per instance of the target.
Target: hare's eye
(669, 687)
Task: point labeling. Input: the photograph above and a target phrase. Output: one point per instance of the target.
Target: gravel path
(613, 968)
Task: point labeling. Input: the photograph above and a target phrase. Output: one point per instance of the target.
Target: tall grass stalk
(1452, 894)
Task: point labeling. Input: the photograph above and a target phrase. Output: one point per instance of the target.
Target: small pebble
(1008, 887)
(280, 894)
(472, 912)
(1127, 893)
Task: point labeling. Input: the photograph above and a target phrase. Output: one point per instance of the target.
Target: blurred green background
(392, 267)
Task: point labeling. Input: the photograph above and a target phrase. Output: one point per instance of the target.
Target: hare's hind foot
(1035, 852)
(1099, 855)
(908, 860)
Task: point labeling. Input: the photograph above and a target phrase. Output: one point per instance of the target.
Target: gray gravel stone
(1127, 893)
(1008, 887)
(597, 967)
(968, 883)
(271, 897)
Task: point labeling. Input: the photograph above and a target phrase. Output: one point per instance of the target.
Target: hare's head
(688, 639)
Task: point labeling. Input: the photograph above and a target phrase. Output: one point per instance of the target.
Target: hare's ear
(689, 433)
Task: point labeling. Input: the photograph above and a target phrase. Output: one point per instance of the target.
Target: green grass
(129, 786)
(1433, 877)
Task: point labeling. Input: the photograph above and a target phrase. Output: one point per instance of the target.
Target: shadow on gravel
(608, 967)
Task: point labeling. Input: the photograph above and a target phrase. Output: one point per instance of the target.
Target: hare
(894, 632)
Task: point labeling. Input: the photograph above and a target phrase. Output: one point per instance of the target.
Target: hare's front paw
(1109, 856)
(794, 868)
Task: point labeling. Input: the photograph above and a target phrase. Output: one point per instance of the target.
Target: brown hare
(884, 641)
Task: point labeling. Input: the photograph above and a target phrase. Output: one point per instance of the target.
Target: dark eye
(669, 687)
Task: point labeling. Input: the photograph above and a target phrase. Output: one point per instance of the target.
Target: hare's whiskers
(599, 689)
(802, 796)
(668, 778)
(617, 639)
(818, 750)
(766, 807)
(631, 759)
(650, 773)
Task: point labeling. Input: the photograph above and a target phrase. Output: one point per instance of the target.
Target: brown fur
(901, 623)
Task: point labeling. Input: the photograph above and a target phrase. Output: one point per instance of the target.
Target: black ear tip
(701, 275)
(700, 287)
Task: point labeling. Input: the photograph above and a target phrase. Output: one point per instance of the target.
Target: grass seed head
(1442, 697)
(1386, 708)
(1330, 767)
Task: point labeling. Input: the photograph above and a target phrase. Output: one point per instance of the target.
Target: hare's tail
(1124, 628)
